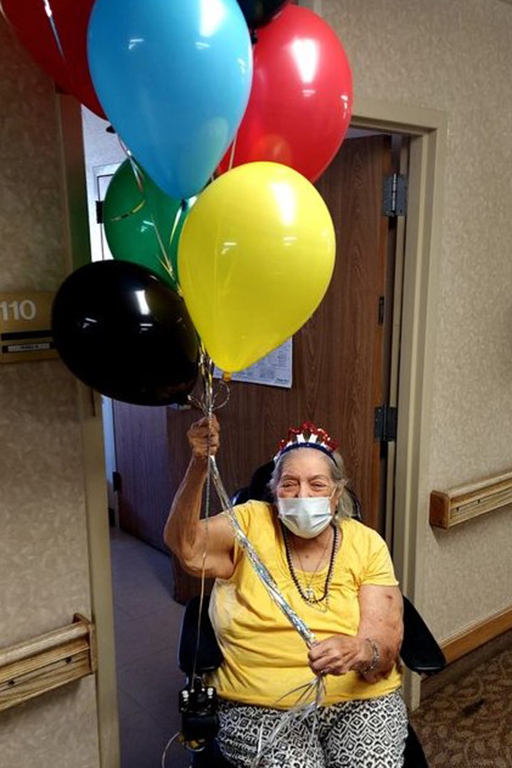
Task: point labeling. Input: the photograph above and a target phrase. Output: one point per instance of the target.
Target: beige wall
(457, 57)
(44, 570)
(454, 56)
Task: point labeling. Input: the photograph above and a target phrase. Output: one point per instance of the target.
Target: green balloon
(143, 224)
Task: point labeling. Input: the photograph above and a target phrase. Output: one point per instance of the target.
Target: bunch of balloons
(229, 110)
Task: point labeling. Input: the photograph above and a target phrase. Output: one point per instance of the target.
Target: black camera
(199, 718)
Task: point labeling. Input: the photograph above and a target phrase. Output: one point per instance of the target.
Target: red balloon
(57, 42)
(301, 97)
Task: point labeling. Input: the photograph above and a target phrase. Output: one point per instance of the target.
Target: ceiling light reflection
(306, 55)
(212, 16)
(134, 42)
(142, 302)
(285, 201)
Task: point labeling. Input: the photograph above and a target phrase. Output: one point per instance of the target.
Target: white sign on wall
(274, 370)
(26, 326)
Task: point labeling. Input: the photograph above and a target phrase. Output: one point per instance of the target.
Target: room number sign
(25, 326)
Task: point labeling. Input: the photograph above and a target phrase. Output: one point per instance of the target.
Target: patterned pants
(351, 734)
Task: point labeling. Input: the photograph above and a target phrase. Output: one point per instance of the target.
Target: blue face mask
(305, 516)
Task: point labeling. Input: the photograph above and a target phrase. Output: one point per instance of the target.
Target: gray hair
(338, 476)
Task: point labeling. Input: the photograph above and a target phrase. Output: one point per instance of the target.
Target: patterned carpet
(468, 724)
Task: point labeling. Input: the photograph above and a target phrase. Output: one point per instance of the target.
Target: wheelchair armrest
(209, 655)
(420, 650)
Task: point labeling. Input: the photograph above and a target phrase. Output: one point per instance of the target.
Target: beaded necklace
(308, 595)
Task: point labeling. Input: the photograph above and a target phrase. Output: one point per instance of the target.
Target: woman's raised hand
(203, 437)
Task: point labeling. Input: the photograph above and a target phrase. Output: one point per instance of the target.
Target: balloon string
(165, 261)
(139, 180)
(177, 218)
(302, 709)
(260, 568)
(208, 405)
(207, 371)
(53, 27)
(232, 154)
(127, 215)
(55, 32)
(302, 706)
(220, 398)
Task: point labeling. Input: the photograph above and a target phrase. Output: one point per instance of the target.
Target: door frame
(428, 132)
(93, 458)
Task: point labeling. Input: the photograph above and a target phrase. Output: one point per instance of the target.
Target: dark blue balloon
(125, 333)
(174, 79)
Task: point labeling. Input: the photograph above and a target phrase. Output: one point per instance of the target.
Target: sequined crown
(308, 435)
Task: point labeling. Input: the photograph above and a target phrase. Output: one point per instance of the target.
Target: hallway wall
(44, 572)
(457, 57)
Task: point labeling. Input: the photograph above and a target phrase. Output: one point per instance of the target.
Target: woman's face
(306, 472)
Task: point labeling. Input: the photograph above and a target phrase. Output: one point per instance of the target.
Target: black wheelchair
(419, 652)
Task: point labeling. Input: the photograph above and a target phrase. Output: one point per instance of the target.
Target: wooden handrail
(449, 508)
(49, 661)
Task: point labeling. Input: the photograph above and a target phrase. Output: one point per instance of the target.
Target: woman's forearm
(203, 547)
(182, 532)
(381, 626)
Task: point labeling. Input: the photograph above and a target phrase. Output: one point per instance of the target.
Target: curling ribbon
(302, 708)
(261, 569)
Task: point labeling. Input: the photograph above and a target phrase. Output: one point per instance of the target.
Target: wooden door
(142, 454)
(339, 359)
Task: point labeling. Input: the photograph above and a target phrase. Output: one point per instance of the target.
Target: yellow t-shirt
(264, 656)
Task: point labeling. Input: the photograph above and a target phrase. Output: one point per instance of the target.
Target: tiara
(308, 435)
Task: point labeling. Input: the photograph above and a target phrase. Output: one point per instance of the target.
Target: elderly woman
(337, 576)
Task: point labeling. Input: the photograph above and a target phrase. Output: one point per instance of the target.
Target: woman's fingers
(336, 655)
(203, 437)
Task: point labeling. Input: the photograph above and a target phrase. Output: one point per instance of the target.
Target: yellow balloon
(256, 256)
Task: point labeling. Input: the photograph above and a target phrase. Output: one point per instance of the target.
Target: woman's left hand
(339, 654)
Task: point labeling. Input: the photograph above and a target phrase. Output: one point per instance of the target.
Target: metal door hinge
(394, 198)
(385, 424)
(99, 211)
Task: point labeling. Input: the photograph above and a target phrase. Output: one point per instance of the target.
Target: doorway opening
(346, 359)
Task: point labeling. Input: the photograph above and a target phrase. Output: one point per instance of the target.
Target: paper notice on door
(274, 370)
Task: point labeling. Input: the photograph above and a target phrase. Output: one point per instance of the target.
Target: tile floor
(147, 624)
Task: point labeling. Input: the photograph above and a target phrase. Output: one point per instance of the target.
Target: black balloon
(260, 12)
(125, 333)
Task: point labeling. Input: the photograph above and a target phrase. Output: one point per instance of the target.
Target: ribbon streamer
(53, 26)
(139, 180)
(302, 708)
(260, 568)
(207, 406)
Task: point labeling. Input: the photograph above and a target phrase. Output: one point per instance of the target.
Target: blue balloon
(174, 78)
